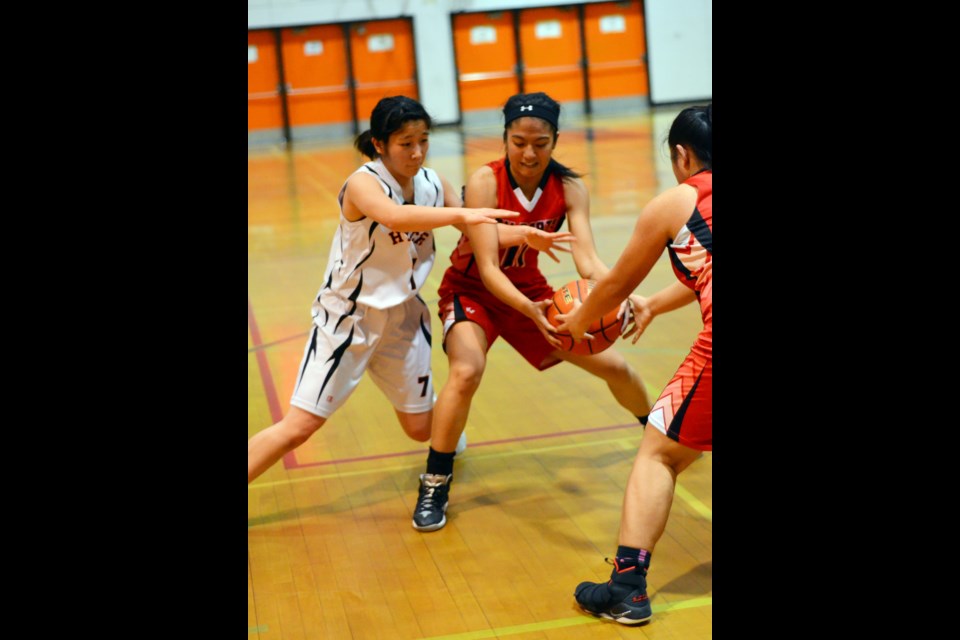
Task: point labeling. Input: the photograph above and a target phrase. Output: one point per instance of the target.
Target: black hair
(693, 128)
(389, 116)
(544, 103)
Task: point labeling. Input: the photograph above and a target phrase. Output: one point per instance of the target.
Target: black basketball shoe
(623, 598)
(430, 513)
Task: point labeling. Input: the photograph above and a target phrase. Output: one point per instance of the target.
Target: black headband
(535, 110)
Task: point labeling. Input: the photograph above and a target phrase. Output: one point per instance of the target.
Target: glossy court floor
(535, 505)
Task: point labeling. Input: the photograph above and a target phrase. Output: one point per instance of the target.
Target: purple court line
(258, 347)
(472, 445)
(289, 460)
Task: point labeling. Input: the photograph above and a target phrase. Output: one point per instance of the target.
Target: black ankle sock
(628, 556)
(643, 420)
(440, 463)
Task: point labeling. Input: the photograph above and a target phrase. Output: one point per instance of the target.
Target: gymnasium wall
(678, 30)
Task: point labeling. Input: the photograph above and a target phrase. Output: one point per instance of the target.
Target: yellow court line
(419, 463)
(567, 622)
(694, 503)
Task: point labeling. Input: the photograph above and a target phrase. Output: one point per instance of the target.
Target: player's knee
(417, 426)
(465, 376)
(298, 430)
(420, 433)
(618, 371)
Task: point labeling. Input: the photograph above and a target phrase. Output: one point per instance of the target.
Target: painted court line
(681, 492)
(419, 463)
(276, 342)
(568, 622)
(473, 445)
(270, 390)
(694, 503)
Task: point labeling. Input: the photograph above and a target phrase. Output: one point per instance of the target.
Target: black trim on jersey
(509, 256)
(698, 227)
(436, 187)
(328, 283)
(426, 333)
(543, 180)
(337, 355)
(413, 263)
(353, 298)
(473, 259)
(326, 316)
(343, 190)
(365, 258)
(382, 181)
(674, 434)
(678, 265)
(312, 349)
(373, 226)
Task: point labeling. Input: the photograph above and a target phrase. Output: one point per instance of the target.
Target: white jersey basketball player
(367, 315)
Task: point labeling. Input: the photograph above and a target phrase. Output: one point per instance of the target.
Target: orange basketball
(604, 331)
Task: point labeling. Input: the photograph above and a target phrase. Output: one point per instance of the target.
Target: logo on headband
(529, 107)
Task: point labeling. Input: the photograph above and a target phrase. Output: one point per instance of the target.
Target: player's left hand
(546, 241)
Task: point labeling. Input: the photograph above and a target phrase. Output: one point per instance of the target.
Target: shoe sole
(623, 619)
(432, 527)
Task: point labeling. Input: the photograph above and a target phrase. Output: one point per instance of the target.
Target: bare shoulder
(575, 187)
(482, 188)
(681, 197)
(361, 191)
(361, 181)
(671, 209)
(577, 196)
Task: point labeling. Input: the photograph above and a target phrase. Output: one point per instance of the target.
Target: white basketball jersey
(372, 265)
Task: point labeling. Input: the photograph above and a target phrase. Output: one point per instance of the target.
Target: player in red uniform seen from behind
(679, 220)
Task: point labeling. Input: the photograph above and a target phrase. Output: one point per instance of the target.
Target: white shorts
(392, 344)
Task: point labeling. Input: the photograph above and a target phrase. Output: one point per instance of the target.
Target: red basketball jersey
(547, 210)
(693, 246)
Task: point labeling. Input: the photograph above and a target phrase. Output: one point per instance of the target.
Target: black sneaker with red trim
(623, 598)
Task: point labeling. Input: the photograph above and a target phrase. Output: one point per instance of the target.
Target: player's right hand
(538, 313)
(490, 216)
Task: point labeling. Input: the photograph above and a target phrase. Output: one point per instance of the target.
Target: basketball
(604, 331)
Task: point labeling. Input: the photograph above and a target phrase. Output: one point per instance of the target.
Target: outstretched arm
(645, 310)
(365, 198)
(658, 220)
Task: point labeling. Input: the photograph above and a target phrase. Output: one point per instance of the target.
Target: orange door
(486, 52)
(383, 63)
(616, 49)
(550, 46)
(315, 68)
(264, 110)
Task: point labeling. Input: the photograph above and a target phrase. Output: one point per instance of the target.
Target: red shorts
(684, 411)
(463, 298)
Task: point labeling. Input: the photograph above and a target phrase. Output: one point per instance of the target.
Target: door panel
(383, 62)
(550, 46)
(616, 49)
(486, 59)
(315, 68)
(264, 110)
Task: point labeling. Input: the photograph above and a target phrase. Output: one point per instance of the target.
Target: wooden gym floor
(535, 506)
